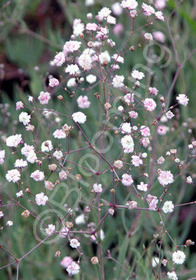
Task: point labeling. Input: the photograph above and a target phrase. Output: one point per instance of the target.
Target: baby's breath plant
(98, 165)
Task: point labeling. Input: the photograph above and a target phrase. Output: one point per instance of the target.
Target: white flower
(104, 13)
(129, 4)
(172, 275)
(78, 27)
(85, 61)
(127, 180)
(127, 143)
(2, 156)
(24, 118)
(117, 81)
(80, 219)
(50, 229)
(178, 257)
(79, 117)
(148, 36)
(125, 128)
(58, 155)
(46, 146)
(1, 214)
(41, 199)
(71, 82)
(168, 207)
(14, 140)
(104, 58)
(72, 69)
(142, 187)
(74, 243)
(97, 188)
(20, 163)
(89, 2)
(165, 177)
(182, 99)
(155, 261)
(9, 223)
(137, 75)
(13, 175)
(19, 194)
(73, 268)
(91, 79)
(38, 175)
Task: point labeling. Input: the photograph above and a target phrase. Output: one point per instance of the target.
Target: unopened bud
(26, 213)
(94, 260)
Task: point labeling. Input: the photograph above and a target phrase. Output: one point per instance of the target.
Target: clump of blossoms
(109, 126)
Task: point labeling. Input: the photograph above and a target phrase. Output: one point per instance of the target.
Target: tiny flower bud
(52, 167)
(69, 225)
(111, 211)
(94, 260)
(58, 253)
(60, 97)
(26, 213)
(78, 177)
(107, 106)
(189, 242)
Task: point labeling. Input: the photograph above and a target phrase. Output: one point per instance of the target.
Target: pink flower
(160, 4)
(71, 46)
(98, 188)
(73, 268)
(59, 134)
(136, 160)
(145, 131)
(19, 105)
(129, 98)
(83, 102)
(152, 201)
(159, 15)
(38, 175)
(2, 156)
(58, 60)
(153, 90)
(91, 26)
(142, 187)
(13, 175)
(53, 82)
(145, 142)
(127, 180)
(44, 97)
(118, 28)
(63, 175)
(165, 177)
(149, 104)
(116, 9)
(41, 199)
(66, 261)
(133, 114)
(182, 99)
(162, 129)
(159, 36)
(74, 243)
(147, 10)
(137, 75)
(14, 140)
(118, 81)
